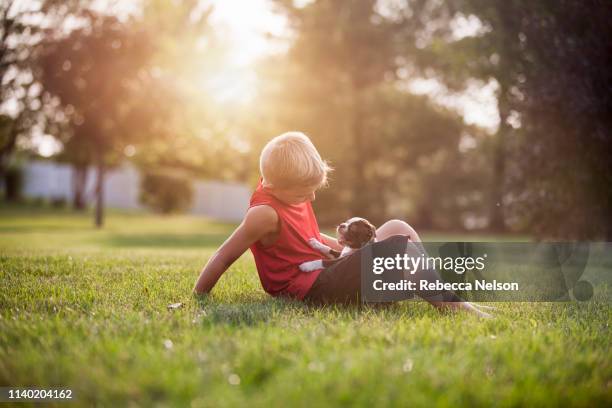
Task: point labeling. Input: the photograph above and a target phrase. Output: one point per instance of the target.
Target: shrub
(38, 201)
(166, 192)
(58, 202)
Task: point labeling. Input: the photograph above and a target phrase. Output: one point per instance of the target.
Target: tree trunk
(424, 217)
(100, 191)
(5, 155)
(496, 211)
(79, 183)
(3, 167)
(608, 219)
(359, 187)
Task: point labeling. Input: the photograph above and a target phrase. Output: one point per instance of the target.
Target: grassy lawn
(87, 310)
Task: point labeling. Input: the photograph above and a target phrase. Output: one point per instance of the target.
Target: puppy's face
(355, 233)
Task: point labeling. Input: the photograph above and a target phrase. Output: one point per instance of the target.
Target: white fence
(219, 200)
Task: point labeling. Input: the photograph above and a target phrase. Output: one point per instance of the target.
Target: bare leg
(399, 227)
(396, 227)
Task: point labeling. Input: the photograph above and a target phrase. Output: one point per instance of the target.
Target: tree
(343, 49)
(562, 178)
(551, 62)
(493, 53)
(22, 29)
(13, 59)
(198, 134)
(99, 71)
(339, 83)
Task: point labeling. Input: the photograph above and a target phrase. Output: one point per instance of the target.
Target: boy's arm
(258, 221)
(331, 242)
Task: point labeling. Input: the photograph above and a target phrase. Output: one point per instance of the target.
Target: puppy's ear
(369, 229)
(362, 232)
(372, 228)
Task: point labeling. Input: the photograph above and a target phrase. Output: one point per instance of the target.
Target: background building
(219, 200)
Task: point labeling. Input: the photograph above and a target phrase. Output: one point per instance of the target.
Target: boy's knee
(402, 227)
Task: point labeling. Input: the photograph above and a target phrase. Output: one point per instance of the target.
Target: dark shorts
(341, 282)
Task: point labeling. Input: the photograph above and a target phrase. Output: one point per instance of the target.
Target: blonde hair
(291, 160)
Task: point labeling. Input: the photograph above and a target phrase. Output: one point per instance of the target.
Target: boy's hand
(322, 248)
(331, 242)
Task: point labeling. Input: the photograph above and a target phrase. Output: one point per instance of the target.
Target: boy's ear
(265, 182)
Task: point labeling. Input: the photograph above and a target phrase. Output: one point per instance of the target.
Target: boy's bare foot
(465, 306)
(469, 307)
(482, 307)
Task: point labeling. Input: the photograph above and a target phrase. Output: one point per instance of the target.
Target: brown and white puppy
(352, 235)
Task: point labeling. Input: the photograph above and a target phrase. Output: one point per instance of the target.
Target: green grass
(87, 310)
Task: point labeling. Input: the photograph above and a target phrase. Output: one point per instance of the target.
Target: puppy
(352, 235)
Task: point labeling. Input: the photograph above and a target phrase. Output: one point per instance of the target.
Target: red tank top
(278, 263)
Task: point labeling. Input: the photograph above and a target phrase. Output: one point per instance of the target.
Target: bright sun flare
(245, 24)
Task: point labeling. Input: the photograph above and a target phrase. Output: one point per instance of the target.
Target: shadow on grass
(166, 240)
(245, 312)
(251, 312)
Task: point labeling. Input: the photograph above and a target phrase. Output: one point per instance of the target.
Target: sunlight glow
(246, 26)
(246, 23)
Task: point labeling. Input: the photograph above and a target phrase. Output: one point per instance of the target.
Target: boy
(279, 223)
